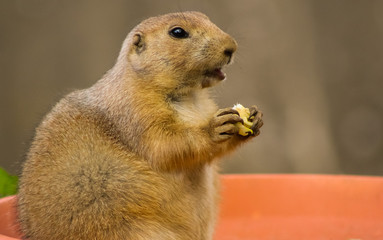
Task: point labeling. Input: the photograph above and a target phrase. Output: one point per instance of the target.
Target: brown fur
(133, 157)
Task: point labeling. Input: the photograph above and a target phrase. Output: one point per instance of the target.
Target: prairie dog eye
(178, 32)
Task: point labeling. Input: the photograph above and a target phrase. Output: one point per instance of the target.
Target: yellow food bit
(244, 113)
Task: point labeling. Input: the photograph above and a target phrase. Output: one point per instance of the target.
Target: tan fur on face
(134, 156)
(180, 63)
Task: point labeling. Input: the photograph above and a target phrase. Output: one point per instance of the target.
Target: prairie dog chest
(195, 109)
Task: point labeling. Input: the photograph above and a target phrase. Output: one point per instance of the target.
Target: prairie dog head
(179, 51)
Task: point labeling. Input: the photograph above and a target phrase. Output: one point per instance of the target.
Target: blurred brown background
(314, 67)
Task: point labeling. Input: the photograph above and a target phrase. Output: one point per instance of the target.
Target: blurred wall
(313, 67)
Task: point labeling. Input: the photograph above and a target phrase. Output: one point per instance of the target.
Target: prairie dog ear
(138, 42)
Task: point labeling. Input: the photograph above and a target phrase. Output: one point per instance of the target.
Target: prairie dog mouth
(212, 77)
(216, 74)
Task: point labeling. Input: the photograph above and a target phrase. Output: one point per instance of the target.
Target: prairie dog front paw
(256, 119)
(223, 125)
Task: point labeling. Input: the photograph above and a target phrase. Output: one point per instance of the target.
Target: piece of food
(244, 113)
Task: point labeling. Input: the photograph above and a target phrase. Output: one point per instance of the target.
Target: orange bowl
(8, 226)
(282, 207)
(292, 207)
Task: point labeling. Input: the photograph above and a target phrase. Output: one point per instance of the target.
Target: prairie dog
(134, 156)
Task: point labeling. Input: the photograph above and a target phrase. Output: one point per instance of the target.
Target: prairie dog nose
(230, 48)
(229, 52)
